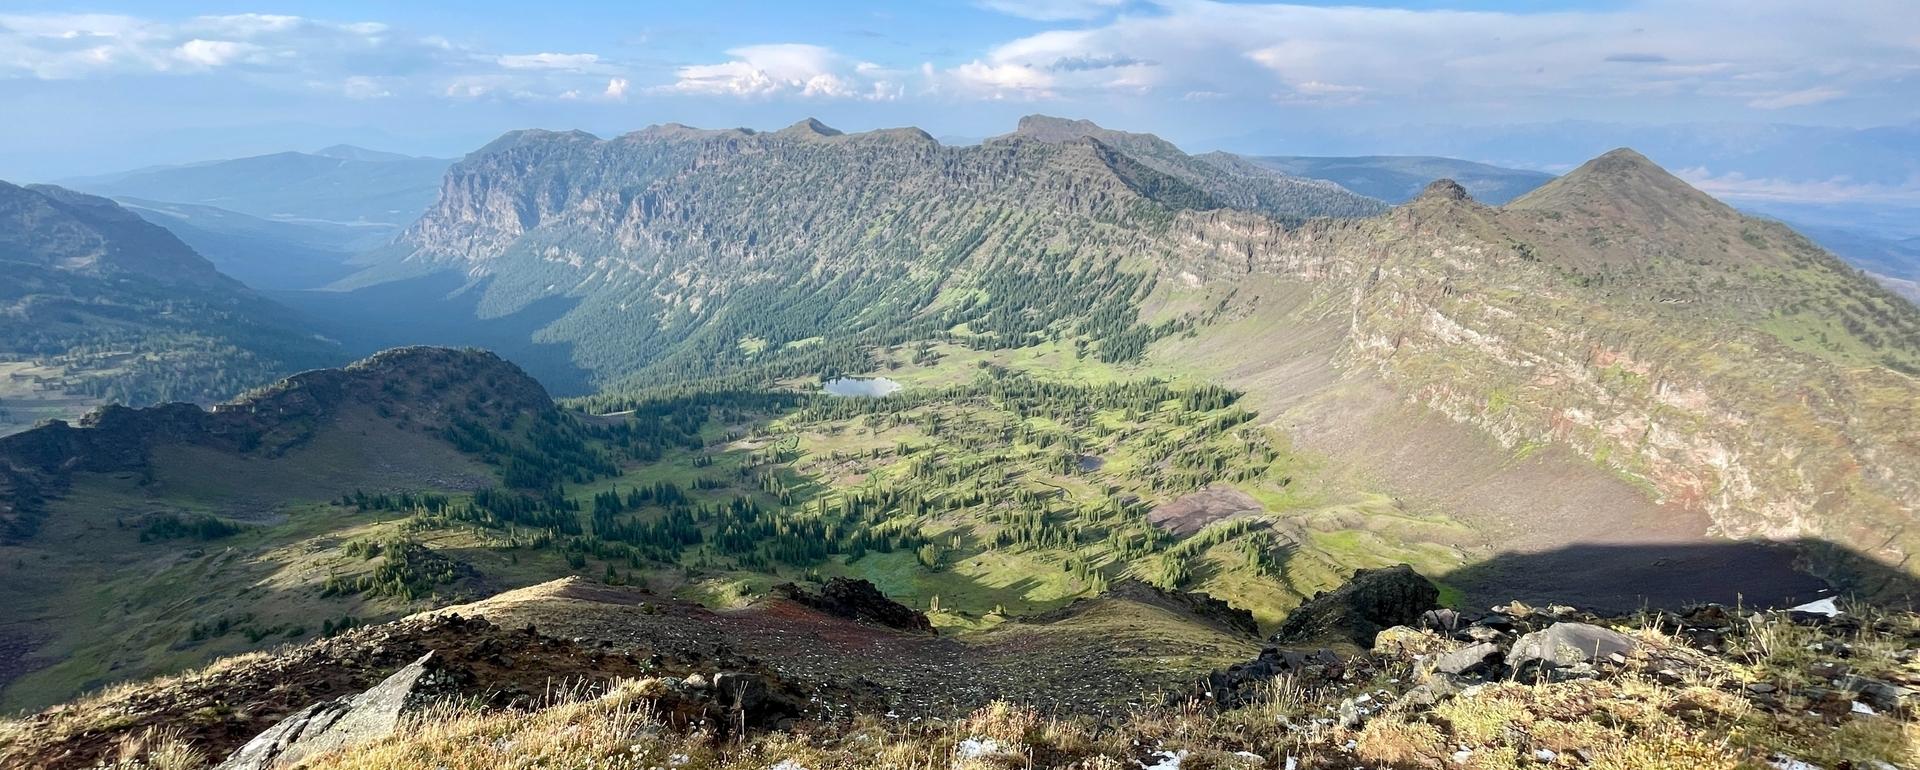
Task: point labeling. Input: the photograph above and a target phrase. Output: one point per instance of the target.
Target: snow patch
(974, 748)
(1166, 760)
(1825, 607)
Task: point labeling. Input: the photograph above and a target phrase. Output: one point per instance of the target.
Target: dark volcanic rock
(1372, 600)
(858, 600)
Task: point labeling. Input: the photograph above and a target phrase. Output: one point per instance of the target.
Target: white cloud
(213, 53)
(616, 90)
(1001, 81)
(1053, 10)
(787, 69)
(550, 61)
(358, 59)
(70, 46)
(1800, 98)
(1347, 53)
(1737, 186)
(364, 87)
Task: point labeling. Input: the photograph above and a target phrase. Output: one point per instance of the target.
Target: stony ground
(576, 674)
(1105, 656)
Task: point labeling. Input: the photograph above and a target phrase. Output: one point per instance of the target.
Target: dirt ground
(1193, 512)
(1110, 654)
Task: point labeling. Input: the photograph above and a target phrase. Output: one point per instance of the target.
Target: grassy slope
(266, 582)
(90, 569)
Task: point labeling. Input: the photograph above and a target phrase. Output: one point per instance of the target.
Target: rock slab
(349, 721)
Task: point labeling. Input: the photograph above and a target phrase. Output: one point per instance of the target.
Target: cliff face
(679, 243)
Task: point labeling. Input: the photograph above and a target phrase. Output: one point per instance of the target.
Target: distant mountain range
(266, 254)
(1885, 155)
(341, 184)
(1400, 178)
(1225, 180)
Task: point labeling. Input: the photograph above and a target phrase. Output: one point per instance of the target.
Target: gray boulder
(1882, 696)
(349, 721)
(1471, 659)
(1567, 644)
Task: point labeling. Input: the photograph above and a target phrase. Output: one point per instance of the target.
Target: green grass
(269, 576)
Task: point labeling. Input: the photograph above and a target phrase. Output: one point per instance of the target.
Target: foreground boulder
(352, 720)
(1565, 645)
(1371, 601)
(857, 600)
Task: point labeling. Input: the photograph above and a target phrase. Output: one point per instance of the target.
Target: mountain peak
(529, 136)
(1048, 128)
(1620, 179)
(809, 127)
(1052, 130)
(1444, 189)
(350, 152)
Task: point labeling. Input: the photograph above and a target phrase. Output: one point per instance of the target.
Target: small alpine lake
(859, 387)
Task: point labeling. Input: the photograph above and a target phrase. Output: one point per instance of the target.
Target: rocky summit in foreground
(1373, 674)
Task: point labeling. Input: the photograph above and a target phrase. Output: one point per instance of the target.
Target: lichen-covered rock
(1567, 644)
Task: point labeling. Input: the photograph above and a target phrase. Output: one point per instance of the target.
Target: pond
(860, 387)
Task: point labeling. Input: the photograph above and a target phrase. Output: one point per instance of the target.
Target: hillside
(1374, 675)
(103, 306)
(1551, 330)
(1894, 263)
(139, 540)
(422, 477)
(1398, 179)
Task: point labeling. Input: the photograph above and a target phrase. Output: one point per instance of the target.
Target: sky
(92, 87)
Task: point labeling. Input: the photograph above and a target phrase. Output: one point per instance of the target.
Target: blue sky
(110, 85)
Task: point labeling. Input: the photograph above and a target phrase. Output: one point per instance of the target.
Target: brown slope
(1093, 657)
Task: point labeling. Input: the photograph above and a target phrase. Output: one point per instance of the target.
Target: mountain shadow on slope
(441, 309)
(1624, 578)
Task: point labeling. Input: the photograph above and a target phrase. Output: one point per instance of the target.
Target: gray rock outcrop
(1567, 644)
(349, 721)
